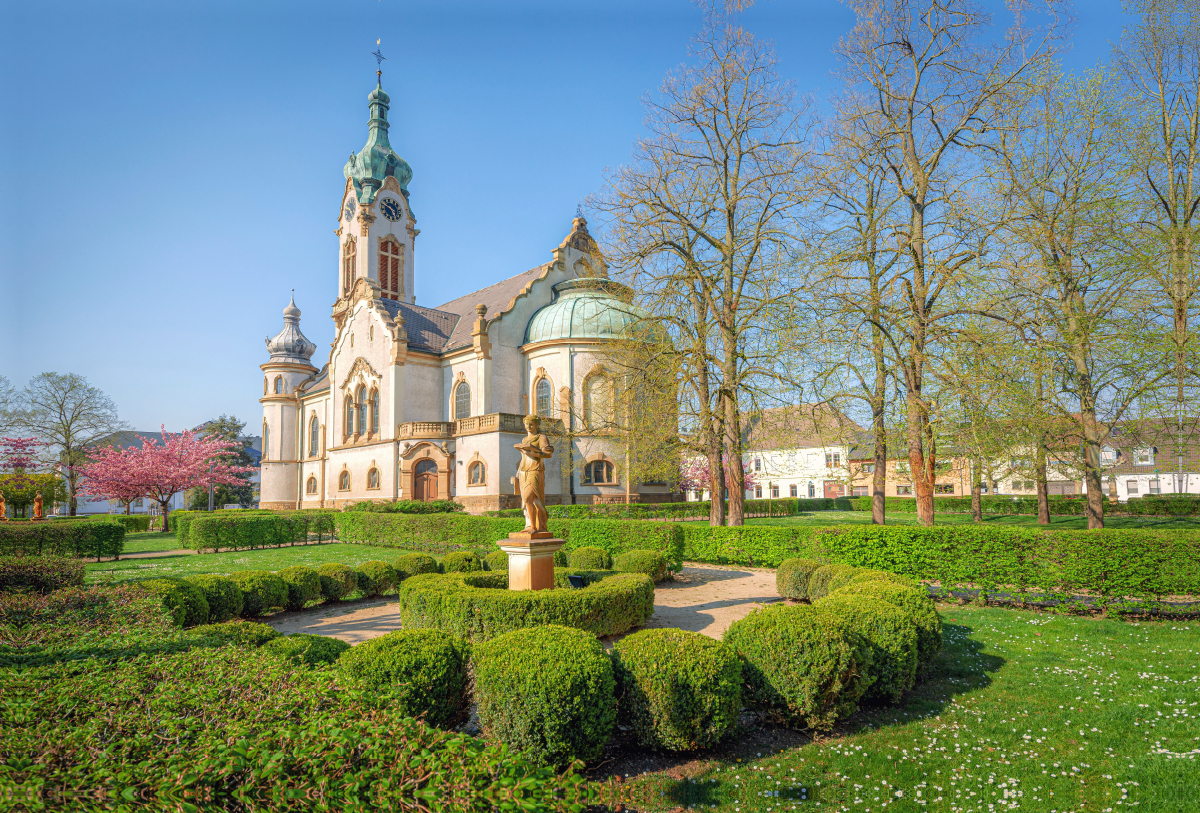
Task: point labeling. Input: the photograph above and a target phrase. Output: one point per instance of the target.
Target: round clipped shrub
(892, 635)
(337, 581)
(223, 595)
(650, 562)
(590, 559)
(414, 564)
(547, 692)
(496, 560)
(262, 591)
(424, 672)
(801, 663)
(303, 585)
(237, 632)
(919, 606)
(678, 690)
(792, 575)
(461, 561)
(818, 582)
(307, 649)
(184, 601)
(376, 578)
(560, 558)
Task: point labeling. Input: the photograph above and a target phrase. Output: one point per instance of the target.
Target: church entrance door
(425, 481)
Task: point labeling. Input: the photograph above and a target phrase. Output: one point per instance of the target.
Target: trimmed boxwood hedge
(678, 690)
(337, 581)
(248, 530)
(262, 591)
(892, 634)
(307, 649)
(589, 558)
(237, 633)
(223, 595)
(461, 561)
(496, 560)
(56, 538)
(413, 564)
(546, 692)
(376, 578)
(184, 601)
(303, 585)
(479, 606)
(42, 574)
(916, 603)
(821, 580)
(803, 663)
(791, 578)
(650, 562)
(424, 672)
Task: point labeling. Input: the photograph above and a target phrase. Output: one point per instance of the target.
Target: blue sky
(169, 171)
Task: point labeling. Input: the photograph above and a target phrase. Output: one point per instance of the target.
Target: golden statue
(3, 510)
(531, 474)
(37, 507)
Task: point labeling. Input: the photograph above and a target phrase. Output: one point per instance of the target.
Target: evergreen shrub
(424, 673)
(184, 601)
(337, 581)
(56, 538)
(311, 650)
(376, 578)
(801, 663)
(750, 545)
(589, 558)
(892, 635)
(303, 585)
(791, 578)
(262, 591)
(479, 606)
(916, 603)
(560, 558)
(223, 595)
(650, 562)
(546, 692)
(461, 561)
(238, 633)
(413, 564)
(42, 574)
(821, 580)
(678, 690)
(496, 560)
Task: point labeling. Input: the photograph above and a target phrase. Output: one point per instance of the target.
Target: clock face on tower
(391, 209)
(350, 207)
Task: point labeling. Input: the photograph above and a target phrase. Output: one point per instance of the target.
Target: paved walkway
(703, 598)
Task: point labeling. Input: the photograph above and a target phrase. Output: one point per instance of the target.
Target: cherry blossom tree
(695, 474)
(160, 470)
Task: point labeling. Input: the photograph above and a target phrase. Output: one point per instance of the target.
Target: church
(419, 403)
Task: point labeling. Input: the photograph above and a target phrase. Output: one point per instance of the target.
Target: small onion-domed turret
(290, 345)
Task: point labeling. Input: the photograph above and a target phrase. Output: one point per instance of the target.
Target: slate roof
(320, 381)
(428, 328)
(497, 297)
(804, 426)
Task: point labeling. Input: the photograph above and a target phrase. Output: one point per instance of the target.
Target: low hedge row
(54, 538)
(479, 606)
(41, 574)
(235, 530)
(408, 507)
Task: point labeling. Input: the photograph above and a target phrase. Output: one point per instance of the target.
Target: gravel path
(703, 598)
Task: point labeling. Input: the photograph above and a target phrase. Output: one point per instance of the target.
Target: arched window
(462, 401)
(598, 402)
(348, 414)
(278, 384)
(344, 481)
(361, 398)
(389, 269)
(598, 473)
(476, 473)
(542, 398)
(373, 478)
(349, 261)
(311, 486)
(266, 384)
(375, 412)
(266, 442)
(314, 437)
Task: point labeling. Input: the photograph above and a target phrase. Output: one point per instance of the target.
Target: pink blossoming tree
(695, 474)
(159, 471)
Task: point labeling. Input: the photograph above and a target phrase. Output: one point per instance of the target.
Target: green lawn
(232, 561)
(1021, 711)
(150, 541)
(864, 518)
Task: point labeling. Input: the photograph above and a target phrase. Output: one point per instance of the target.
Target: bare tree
(704, 224)
(928, 79)
(64, 411)
(7, 400)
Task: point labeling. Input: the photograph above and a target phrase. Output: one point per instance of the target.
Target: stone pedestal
(531, 560)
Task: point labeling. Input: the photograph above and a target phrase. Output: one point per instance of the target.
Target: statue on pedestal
(3, 509)
(531, 474)
(37, 507)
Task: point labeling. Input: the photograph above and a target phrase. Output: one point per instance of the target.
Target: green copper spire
(377, 160)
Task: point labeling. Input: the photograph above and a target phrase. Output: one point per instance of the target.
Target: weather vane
(579, 210)
(378, 60)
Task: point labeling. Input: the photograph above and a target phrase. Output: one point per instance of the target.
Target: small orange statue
(3, 509)
(37, 507)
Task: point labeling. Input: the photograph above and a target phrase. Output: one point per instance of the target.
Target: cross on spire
(379, 57)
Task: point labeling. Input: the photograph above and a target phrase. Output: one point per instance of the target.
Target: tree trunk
(72, 498)
(878, 484)
(716, 476)
(1091, 466)
(921, 460)
(165, 506)
(128, 507)
(1043, 493)
(976, 495)
(878, 405)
